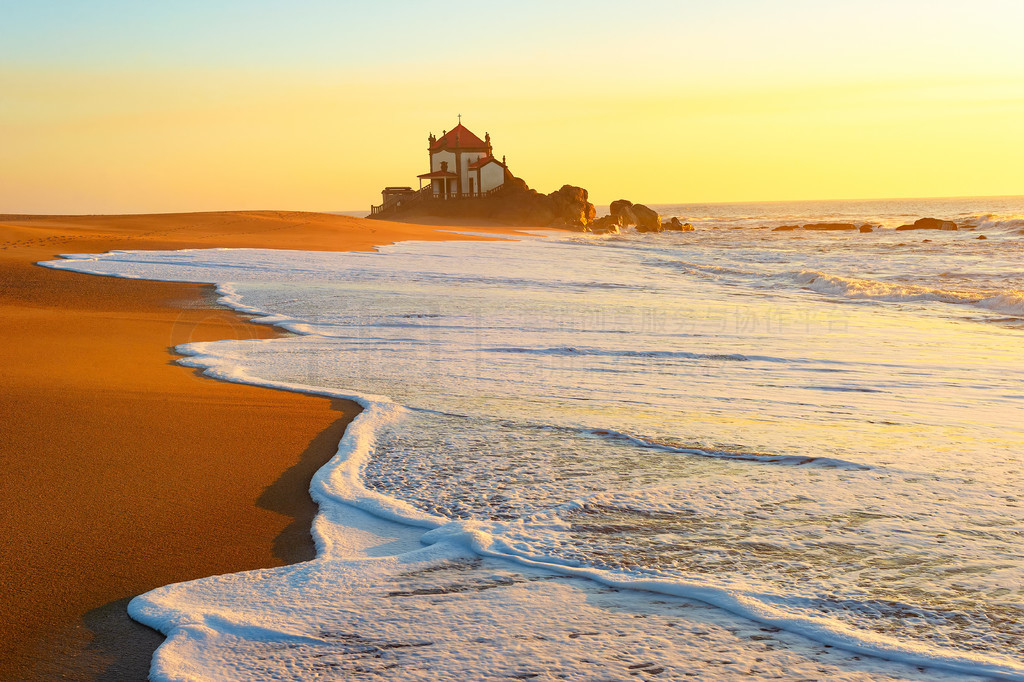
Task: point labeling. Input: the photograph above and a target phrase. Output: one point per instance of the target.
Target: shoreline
(282, 597)
(115, 457)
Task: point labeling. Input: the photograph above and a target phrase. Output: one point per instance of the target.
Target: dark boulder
(647, 219)
(616, 206)
(626, 216)
(517, 204)
(935, 224)
(930, 224)
(609, 224)
(623, 210)
(570, 207)
(515, 185)
(981, 236)
(676, 224)
(867, 228)
(785, 228)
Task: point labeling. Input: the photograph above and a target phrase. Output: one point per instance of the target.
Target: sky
(130, 107)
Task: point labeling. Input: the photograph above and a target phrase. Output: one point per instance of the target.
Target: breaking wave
(1006, 303)
(1013, 224)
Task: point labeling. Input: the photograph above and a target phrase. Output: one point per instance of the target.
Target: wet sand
(123, 471)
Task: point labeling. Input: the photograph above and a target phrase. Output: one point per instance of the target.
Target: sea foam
(588, 470)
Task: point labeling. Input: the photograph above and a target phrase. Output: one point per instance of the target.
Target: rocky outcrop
(570, 207)
(616, 206)
(867, 228)
(514, 204)
(623, 210)
(647, 219)
(678, 225)
(930, 224)
(624, 213)
(785, 228)
(609, 224)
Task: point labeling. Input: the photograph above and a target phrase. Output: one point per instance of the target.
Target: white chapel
(462, 165)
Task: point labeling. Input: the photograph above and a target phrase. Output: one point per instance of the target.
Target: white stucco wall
(491, 176)
(436, 159)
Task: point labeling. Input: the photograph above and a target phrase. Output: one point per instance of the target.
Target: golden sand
(123, 471)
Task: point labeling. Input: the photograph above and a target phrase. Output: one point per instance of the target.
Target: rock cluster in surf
(515, 203)
(624, 213)
(921, 224)
(930, 224)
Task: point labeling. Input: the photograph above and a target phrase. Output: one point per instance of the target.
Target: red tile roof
(458, 137)
(437, 174)
(483, 161)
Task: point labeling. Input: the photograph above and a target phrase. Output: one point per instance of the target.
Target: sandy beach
(124, 471)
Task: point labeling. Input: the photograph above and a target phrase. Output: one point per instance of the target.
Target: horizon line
(9, 214)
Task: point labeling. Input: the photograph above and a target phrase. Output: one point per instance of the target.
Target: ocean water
(722, 454)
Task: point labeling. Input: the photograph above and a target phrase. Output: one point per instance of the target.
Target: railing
(454, 196)
(427, 194)
(403, 199)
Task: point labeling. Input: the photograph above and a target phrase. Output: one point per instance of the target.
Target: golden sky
(110, 107)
